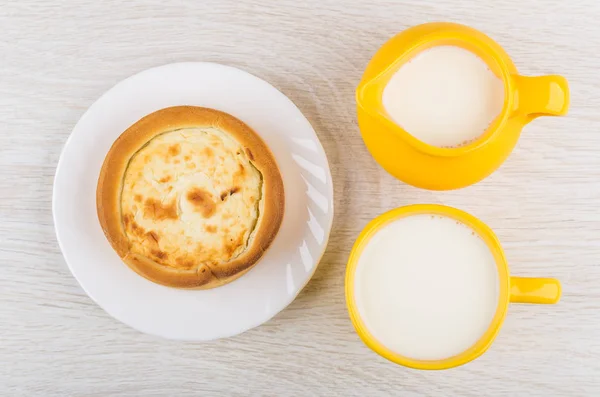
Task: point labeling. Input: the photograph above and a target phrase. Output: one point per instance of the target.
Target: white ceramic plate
(183, 314)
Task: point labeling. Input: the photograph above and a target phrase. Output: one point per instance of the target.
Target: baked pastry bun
(190, 197)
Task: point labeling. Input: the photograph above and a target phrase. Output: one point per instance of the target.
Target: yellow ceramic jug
(436, 168)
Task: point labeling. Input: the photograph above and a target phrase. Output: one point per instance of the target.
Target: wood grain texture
(56, 58)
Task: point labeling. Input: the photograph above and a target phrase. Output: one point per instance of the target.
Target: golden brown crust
(108, 196)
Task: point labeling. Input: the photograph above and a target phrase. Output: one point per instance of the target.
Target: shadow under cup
(521, 290)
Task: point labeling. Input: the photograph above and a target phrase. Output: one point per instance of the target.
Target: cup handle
(534, 290)
(541, 95)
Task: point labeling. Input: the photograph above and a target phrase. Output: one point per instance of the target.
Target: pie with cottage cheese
(190, 197)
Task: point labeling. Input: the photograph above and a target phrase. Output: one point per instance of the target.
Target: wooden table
(544, 202)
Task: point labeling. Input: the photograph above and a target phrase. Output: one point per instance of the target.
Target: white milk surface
(445, 96)
(426, 287)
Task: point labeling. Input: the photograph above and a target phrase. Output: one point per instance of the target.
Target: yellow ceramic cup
(430, 167)
(511, 289)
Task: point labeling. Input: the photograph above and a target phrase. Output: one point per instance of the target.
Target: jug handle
(534, 290)
(541, 95)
